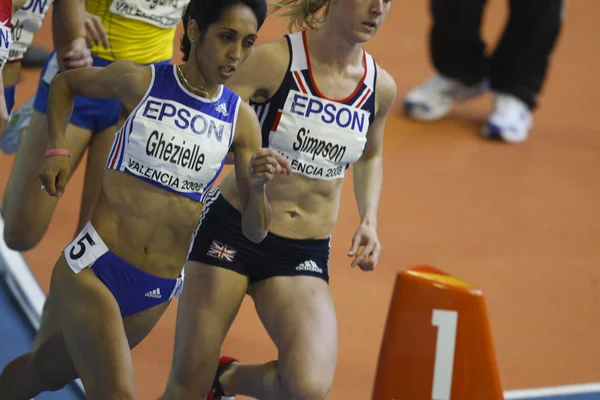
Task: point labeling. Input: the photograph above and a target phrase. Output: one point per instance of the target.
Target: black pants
(519, 62)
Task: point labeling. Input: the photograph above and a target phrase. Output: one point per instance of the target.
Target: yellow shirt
(134, 39)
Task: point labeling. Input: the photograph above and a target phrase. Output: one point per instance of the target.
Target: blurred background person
(515, 71)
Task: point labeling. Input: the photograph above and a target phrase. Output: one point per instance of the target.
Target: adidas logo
(155, 294)
(222, 108)
(309, 265)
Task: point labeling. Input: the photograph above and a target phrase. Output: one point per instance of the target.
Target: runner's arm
(368, 170)
(121, 80)
(69, 35)
(254, 206)
(68, 22)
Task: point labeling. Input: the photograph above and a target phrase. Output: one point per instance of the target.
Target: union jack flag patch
(221, 251)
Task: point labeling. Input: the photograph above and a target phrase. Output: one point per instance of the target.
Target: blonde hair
(303, 14)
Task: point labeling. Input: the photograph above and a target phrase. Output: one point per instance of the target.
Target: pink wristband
(58, 152)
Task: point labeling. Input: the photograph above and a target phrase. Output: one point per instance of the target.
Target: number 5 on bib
(86, 248)
(437, 342)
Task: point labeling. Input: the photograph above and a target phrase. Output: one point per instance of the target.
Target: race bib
(320, 137)
(176, 146)
(5, 42)
(26, 22)
(164, 14)
(85, 249)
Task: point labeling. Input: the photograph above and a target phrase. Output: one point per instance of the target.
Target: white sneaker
(19, 120)
(434, 99)
(510, 121)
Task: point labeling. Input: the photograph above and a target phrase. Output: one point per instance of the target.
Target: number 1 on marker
(446, 322)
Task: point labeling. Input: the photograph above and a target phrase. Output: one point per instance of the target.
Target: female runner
(322, 102)
(137, 30)
(114, 281)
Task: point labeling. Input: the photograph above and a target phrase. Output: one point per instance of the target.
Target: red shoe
(216, 392)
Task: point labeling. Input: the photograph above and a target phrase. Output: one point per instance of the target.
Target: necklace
(200, 91)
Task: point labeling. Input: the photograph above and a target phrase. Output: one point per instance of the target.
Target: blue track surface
(582, 396)
(17, 335)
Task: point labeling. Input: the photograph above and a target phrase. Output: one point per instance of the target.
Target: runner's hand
(54, 175)
(95, 32)
(365, 248)
(74, 55)
(265, 164)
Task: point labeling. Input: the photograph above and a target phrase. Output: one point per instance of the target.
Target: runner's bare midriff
(145, 225)
(303, 208)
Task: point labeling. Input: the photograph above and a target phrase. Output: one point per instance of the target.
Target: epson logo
(185, 118)
(327, 112)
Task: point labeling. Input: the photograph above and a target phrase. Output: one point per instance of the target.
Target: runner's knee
(47, 373)
(18, 237)
(121, 391)
(304, 382)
